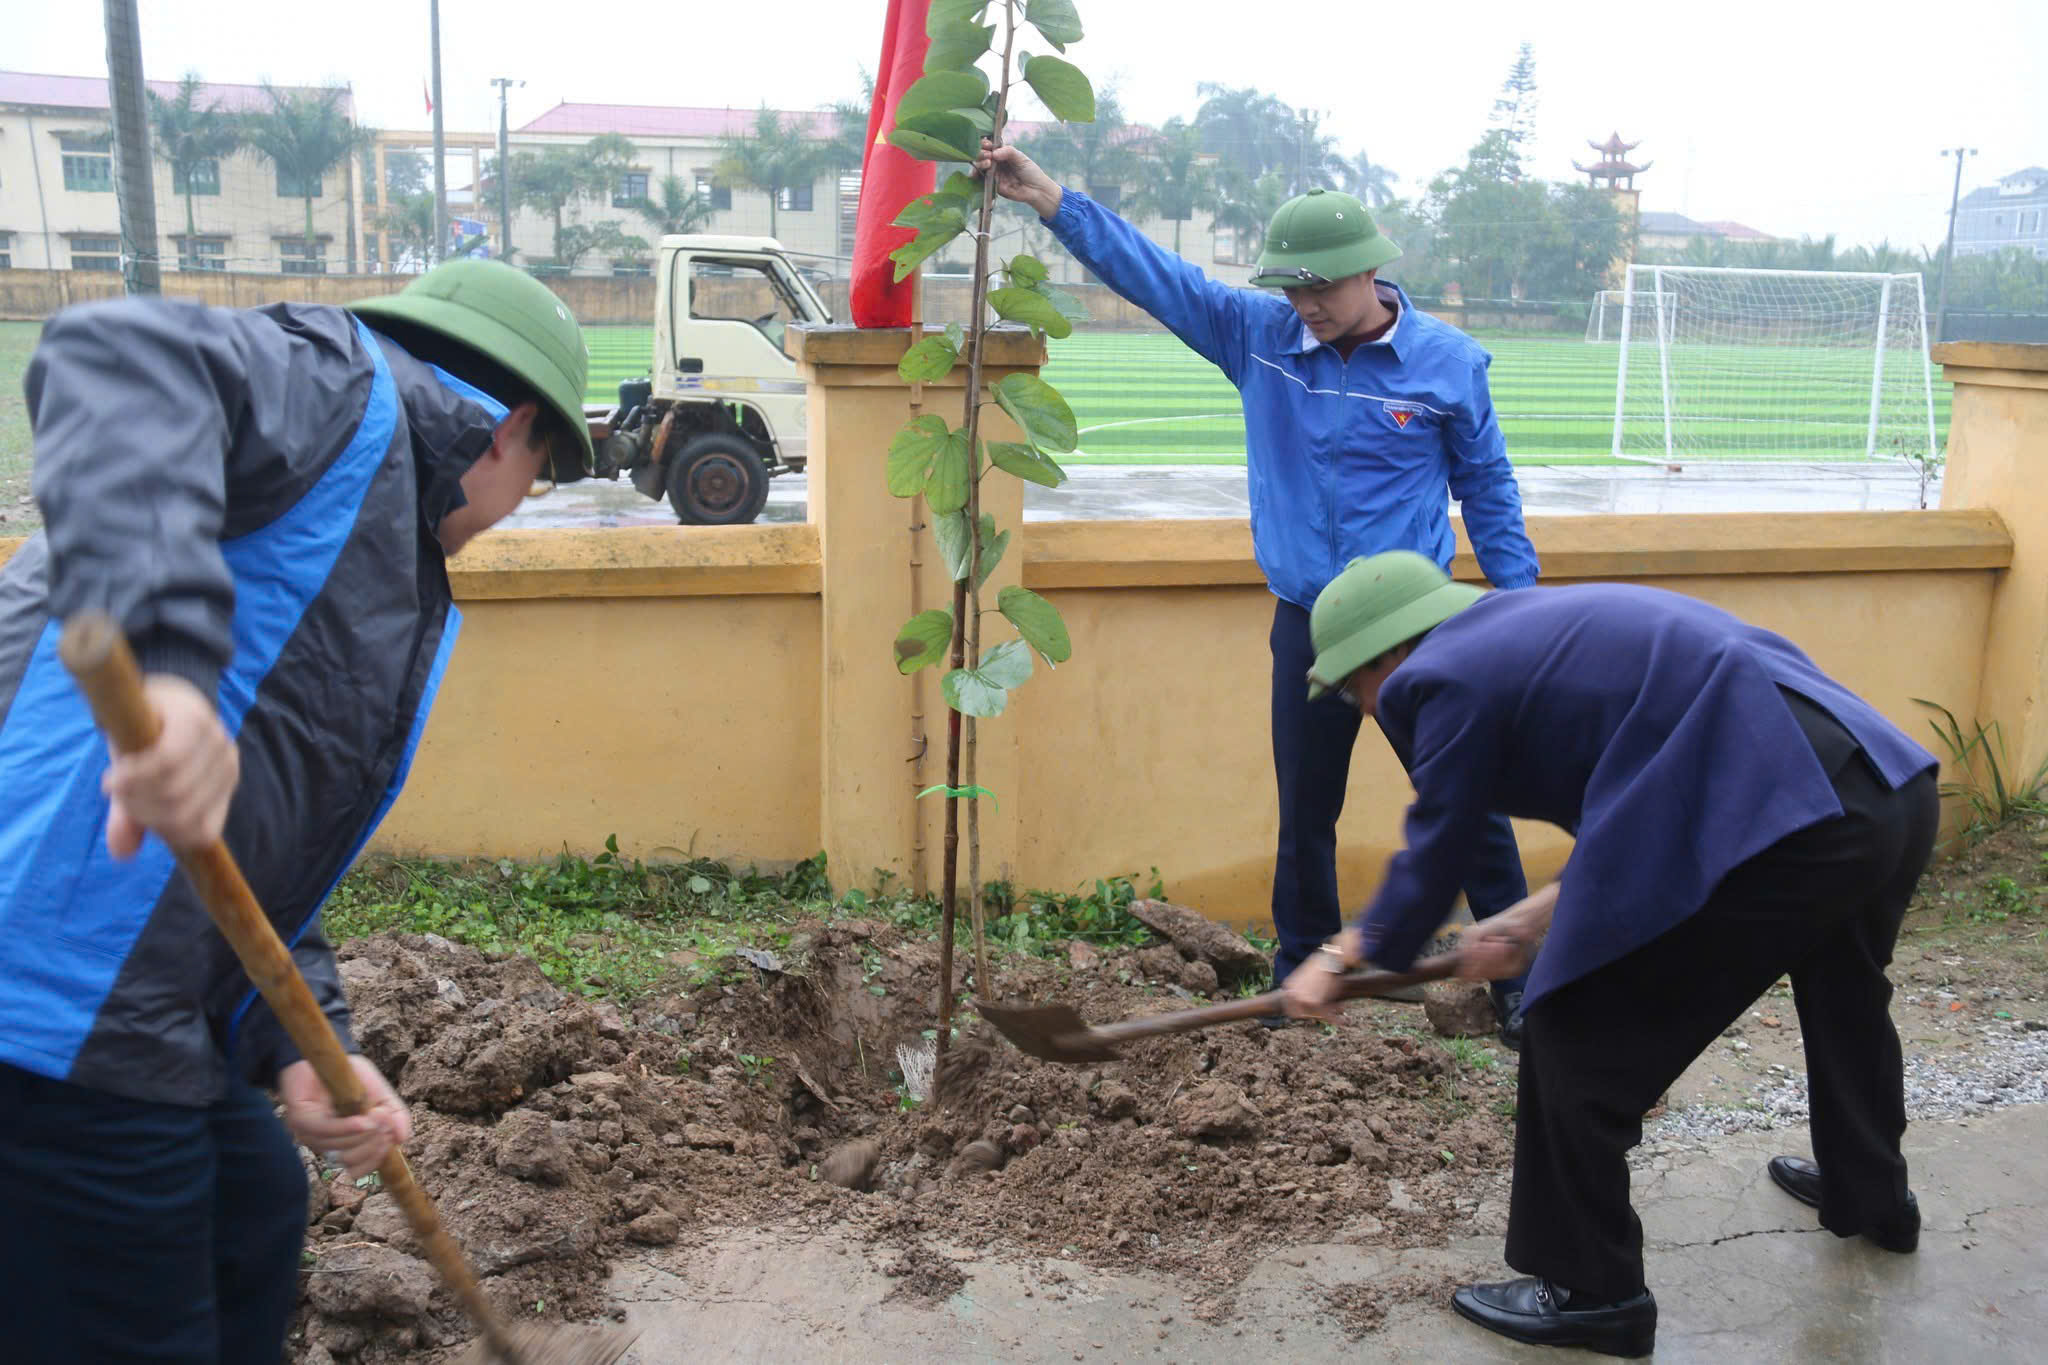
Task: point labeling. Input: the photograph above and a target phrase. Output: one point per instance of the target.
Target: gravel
(2006, 1064)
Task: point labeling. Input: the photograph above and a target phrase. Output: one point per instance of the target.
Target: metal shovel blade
(1051, 1033)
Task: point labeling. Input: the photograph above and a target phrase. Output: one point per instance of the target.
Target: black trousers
(1823, 905)
(1312, 743)
(134, 1232)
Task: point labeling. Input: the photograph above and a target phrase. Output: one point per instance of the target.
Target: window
(743, 291)
(1227, 248)
(195, 177)
(6, 251)
(96, 253)
(289, 186)
(2030, 223)
(88, 164)
(714, 195)
(1110, 197)
(794, 199)
(202, 253)
(297, 256)
(632, 188)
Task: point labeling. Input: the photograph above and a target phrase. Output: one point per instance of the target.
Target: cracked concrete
(1739, 1273)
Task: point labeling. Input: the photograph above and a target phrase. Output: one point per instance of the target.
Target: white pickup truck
(722, 409)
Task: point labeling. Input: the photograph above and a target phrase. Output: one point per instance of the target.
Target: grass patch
(17, 518)
(618, 927)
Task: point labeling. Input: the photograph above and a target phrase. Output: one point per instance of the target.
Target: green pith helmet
(1318, 237)
(1375, 604)
(508, 317)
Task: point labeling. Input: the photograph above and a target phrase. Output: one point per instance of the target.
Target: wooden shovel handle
(98, 657)
(1354, 986)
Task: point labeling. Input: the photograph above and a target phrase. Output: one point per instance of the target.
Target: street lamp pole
(1948, 249)
(504, 171)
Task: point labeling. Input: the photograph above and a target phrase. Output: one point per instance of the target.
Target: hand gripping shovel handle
(98, 657)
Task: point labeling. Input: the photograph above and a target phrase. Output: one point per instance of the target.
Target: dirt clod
(1459, 1009)
(852, 1167)
(1202, 939)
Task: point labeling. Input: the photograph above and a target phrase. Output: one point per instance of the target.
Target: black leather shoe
(1800, 1178)
(1540, 1313)
(1507, 1007)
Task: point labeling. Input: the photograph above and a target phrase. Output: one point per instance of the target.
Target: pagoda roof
(1614, 146)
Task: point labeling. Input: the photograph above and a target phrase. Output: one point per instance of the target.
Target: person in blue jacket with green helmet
(264, 499)
(1737, 816)
(1364, 417)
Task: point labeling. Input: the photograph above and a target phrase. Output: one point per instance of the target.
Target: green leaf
(961, 793)
(928, 240)
(951, 533)
(1038, 621)
(952, 12)
(946, 489)
(956, 43)
(985, 691)
(928, 359)
(912, 452)
(924, 639)
(1007, 665)
(1056, 19)
(1031, 308)
(940, 135)
(959, 185)
(956, 335)
(1071, 308)
(1027, 271)
(984, 122)
(1037, 407)
(940, 91)
(992, 547)
(929, 209)
(1026, 463)
(1063, 88)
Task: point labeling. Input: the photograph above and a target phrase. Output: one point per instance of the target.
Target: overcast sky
(1793, 116)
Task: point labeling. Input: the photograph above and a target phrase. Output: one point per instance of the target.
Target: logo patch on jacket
(1402, 413)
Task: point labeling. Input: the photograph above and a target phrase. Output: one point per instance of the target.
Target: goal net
(1603, 320)
(1771, 365)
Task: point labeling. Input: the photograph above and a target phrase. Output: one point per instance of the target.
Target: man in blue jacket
(1739, 816)
(1363, 418)
(264, 499)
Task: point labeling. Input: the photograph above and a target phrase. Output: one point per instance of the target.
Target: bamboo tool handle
(1355, 985)
(98, 657)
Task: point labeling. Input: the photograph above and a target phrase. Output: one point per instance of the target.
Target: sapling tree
(944, 117)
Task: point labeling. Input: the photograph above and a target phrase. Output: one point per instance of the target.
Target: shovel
(1057, 1033)
(97, 655)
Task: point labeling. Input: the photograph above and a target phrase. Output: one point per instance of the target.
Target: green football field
(1144, 398)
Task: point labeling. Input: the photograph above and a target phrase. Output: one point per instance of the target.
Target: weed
(754, 1065)
(1038, 922)
(1469, 1053)
(1988, 785)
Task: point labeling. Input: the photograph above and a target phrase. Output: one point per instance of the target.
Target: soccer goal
(1772, 365)
(1603, 319)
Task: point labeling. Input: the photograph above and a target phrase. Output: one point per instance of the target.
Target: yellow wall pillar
(880, 567)
(1998, 458)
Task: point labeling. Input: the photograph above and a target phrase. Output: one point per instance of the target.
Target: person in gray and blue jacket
(264, 500)
(1364, 417)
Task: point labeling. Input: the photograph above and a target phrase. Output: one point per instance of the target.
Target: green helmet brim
(1332, 263)
(486, 335)
(1348, 654)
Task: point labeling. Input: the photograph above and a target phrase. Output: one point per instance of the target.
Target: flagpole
(440, 246)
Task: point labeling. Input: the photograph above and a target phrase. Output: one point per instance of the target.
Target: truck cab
(722, 409)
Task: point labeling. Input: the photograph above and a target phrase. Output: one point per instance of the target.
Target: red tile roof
(90, 92)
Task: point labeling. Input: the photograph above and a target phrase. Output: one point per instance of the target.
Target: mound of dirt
(556, 1134)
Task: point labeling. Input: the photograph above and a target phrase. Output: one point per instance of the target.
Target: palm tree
(1101, 155)
(773, 158)
(1174, 180)
(1247, 130)
(551, 180)
(1816, 254)
(679, 208)
(187, 135)
(1370, 181)
(409, 219)
(306, 134)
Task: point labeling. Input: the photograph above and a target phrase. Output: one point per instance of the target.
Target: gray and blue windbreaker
(252, 494)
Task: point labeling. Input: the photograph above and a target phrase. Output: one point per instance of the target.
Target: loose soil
(558, 1134)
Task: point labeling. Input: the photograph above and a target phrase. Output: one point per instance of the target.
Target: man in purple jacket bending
(1739, 816)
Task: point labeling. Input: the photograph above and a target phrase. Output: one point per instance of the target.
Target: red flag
(426, 95)
(889, 176)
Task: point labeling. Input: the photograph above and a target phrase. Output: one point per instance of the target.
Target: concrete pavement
(1741, 1273)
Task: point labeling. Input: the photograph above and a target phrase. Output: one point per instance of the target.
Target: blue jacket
(1343, 458)
(253, 495)
(1648, 724)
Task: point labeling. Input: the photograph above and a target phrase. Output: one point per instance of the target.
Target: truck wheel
(717, 480)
